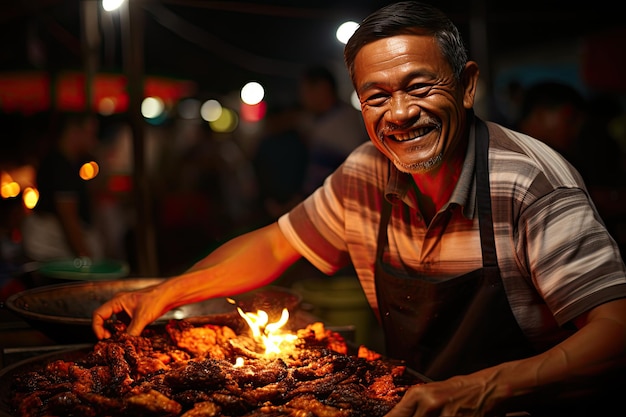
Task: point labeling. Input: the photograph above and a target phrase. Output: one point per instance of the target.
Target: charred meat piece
(208, 340)
(231, 405)
(202, 374)
(203, 409)
(310, 404)
(153, 403)
(191, 397)
(103, 405)
(68, 403)
(352, 397)
(274, 393)
(259, 372)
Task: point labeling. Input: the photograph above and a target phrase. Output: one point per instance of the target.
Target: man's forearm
(244, 263)
(582, 363)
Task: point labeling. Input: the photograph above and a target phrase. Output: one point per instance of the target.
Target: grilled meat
(196, 371)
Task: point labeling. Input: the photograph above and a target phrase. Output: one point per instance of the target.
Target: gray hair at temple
(409, 17)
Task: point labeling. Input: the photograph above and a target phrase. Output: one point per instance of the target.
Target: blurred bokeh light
(211, 110)
(30, 197)
(345, 31)
(110, 5)
(252, 93)
(89, 170)
(227, 122)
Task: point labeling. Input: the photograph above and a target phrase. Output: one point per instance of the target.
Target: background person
(280, 163)
(554, 113)
(330, 127)
(477, 246)
(61, 224)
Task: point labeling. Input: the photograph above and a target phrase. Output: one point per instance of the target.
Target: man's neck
(436, 186)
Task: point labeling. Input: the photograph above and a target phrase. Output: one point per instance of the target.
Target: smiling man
(477, 247)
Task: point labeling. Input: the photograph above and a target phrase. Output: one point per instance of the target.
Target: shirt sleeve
(574, 262)
(315, 228)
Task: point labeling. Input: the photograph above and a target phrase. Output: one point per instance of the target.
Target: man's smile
(411, 135)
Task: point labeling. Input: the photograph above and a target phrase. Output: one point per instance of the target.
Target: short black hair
(409, 17)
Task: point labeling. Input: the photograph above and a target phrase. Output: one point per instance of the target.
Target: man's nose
(402, 108)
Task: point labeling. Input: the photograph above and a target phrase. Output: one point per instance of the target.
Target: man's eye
(419, 89)
(376, 99)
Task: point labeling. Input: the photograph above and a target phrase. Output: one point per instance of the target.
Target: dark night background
(220, 45)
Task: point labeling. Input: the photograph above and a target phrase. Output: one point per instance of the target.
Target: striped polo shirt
(555, 256)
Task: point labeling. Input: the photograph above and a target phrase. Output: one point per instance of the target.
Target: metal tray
(62, 312)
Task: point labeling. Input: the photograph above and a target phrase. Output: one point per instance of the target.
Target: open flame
(270, 335)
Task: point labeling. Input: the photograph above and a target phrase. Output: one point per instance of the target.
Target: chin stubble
(419, 167)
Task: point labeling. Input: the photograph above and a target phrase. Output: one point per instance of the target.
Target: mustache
(389, 127)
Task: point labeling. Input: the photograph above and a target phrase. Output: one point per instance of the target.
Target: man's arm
(595, 353)
(242, 264)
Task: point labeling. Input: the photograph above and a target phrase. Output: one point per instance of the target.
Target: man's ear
(469, 78)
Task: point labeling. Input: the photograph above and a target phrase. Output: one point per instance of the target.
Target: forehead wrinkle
(404, 56)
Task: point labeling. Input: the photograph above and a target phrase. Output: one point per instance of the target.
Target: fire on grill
(207, 370)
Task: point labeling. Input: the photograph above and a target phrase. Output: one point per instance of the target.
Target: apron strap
(483, 194)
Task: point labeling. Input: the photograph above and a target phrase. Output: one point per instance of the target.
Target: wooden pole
(90, 41)
(144, 229)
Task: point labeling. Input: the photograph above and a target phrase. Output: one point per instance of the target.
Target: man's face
(413, 107)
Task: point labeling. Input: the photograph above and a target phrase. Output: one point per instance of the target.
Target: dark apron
(454, 326)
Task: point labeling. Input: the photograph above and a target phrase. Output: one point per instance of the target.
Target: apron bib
(454, 326)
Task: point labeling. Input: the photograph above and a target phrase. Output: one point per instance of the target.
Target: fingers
(138, 310)
(402, 410)
(135, 327)
(407, 406)
(103, 313)
(97, 324)
(443, 399)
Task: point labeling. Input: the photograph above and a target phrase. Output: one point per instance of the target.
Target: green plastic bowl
(83, 269)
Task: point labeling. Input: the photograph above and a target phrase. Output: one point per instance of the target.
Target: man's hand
(471, 395)
(142, 306)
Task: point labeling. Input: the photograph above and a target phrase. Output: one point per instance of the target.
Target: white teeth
(411, 135)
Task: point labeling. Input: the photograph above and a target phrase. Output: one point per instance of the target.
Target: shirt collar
(464, 193)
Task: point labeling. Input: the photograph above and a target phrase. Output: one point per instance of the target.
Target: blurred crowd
(204, 186)
(207, 187)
